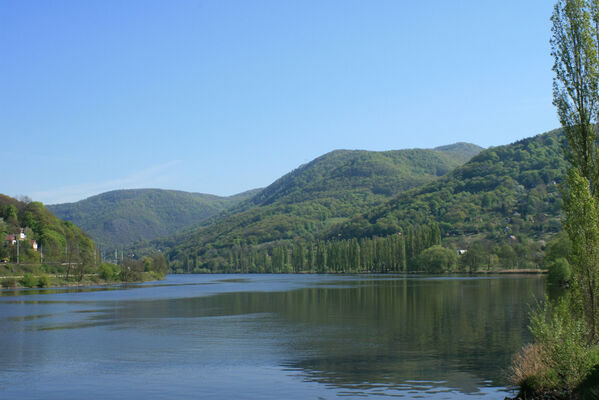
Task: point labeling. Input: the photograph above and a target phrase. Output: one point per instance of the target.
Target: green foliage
(394, 253)
(44, 281)
(106, 272)
(559, 247)
(574, 45)
(29, 280)
(475, 257)
(582, 224)
(566, 351)
(559, 272)
(121, 217)
(437, 259)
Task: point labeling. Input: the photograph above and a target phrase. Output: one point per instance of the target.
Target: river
(267, 337)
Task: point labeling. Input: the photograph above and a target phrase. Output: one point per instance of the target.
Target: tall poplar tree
(575, 48)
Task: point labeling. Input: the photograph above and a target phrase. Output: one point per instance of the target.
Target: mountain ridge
(307, 200)
(119, 217)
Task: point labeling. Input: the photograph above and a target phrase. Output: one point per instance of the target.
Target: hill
(503, 191)
(58, 240)
(306, 202)
(501, 210)
(502, 207)
(121, 217)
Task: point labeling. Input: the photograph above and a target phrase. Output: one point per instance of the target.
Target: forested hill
(326, 191)
(121, 217)
(53, 236)
(367, 172)
(504, 192)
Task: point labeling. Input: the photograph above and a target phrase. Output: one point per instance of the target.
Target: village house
(20, 236)
(10, 239)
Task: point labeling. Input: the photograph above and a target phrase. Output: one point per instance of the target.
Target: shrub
(44, 281)
(561, 357)
(531, 371)
(559, 272)
(106, 272)
(29, 280)
(437, 259)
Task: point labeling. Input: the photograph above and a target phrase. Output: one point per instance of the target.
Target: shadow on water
(92, 289)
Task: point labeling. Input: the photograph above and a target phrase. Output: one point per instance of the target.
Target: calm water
(266, 337)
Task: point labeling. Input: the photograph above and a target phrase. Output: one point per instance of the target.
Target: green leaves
(574, 46)
(582, 224)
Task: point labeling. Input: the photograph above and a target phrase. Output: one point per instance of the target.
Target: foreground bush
(560, 359)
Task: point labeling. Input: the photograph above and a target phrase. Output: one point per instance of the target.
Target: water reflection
(410, 336)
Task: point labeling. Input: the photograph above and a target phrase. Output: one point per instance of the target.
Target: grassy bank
(45, 275)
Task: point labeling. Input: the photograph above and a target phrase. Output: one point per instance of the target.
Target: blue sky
(224, 96)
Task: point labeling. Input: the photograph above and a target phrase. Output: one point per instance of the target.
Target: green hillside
(504, 190)
(502, 207)
(309, 200)
(121, 217)
(57, 240)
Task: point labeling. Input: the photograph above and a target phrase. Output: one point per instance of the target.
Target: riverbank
(37, 275)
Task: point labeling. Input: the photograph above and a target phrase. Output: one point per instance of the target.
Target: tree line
(394, 253)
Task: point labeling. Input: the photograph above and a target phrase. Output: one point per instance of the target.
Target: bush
(29, 280)
(437, 259)
(44, 281)
(531, 371)
(106, 272)
(561, 357)
(559, 272)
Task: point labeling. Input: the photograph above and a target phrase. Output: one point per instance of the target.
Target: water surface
(266, 337)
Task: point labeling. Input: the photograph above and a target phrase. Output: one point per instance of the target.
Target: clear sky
(223, 96)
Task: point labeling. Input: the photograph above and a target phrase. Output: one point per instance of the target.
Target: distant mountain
(121, 217)
(502, 192)
(461, 152)
(330, 189)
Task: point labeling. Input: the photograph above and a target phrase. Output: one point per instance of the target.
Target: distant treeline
(394, 253)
